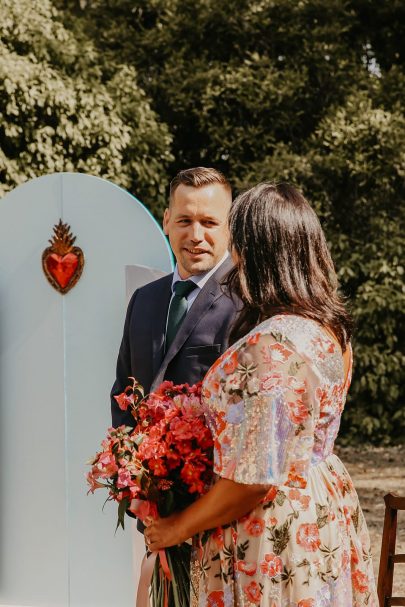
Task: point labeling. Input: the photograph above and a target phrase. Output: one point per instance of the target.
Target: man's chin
(199, 267)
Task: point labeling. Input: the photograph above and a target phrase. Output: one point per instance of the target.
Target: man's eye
(184, 221)
(210, 223)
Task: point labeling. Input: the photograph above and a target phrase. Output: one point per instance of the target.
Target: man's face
(197, 226)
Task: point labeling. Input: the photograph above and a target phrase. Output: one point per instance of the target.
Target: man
(177, 326)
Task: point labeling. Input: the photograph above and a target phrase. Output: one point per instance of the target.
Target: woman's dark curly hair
(283, 262)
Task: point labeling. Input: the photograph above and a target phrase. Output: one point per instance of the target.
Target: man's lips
(195, 251)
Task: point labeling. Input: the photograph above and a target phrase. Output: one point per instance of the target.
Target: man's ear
(166, 218)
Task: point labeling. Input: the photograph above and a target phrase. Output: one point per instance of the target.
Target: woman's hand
(226, 501)
(163, 532)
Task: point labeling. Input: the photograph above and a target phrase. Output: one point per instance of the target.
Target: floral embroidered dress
(273, 402)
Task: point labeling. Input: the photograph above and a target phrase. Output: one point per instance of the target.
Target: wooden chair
(388, 558)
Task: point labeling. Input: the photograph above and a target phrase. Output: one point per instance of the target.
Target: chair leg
(386, 569)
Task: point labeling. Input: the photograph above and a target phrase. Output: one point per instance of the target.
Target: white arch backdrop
(57, 364)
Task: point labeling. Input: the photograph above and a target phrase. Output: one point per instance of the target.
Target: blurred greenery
(305, 90)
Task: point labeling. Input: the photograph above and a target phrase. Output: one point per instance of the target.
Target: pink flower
(107, 465)
(272, 565)
(143, 508)
(231, 363)
(181, 429)
(247, 568)
(253, 592)
(308, 537)
(306, 603)
(254, 526)
(93, 482)
(297, 411)
(124, 479)
(279, 353)
(299, 501)
(360, 581)
(270, 381)
(253, 339)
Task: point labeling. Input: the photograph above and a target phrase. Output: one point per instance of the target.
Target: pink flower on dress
(297, 411)
(253, 592)
(360, 581)
(279, 353)
(299, 501)
(253, 339)
(354, 556)
(272, 565)
(254, 526)
(308, 537)
(271, 494)
(298, 386)
(270, 381)
(216, 598)
(231, 363)
(247, 568)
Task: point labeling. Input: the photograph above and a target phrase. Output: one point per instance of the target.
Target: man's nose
(197, 232)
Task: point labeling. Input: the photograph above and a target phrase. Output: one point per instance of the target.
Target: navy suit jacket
(201, 338)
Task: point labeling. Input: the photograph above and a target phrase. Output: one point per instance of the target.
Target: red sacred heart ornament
(62, 262)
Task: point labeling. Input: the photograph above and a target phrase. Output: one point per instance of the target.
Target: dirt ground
(376, 471)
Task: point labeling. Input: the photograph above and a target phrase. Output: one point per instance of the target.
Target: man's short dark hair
(198, 177)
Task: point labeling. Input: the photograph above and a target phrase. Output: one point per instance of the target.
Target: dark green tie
(177, 309)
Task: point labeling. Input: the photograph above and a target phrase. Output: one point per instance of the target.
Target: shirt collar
(201, 279)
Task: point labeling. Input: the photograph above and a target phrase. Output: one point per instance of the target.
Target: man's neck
(200, 279)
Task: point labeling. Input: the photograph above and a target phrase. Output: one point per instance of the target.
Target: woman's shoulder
(291, 327)
(304, 336)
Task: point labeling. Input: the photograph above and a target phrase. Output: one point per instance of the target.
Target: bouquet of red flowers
(165, 461)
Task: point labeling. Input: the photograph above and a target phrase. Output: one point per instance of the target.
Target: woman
(288, 530)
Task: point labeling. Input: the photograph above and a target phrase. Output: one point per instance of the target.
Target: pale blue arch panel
(57, 364)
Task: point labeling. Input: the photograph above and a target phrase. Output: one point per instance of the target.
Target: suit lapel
(208, 294)
(159, 324)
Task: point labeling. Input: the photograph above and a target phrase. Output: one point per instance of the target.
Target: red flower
(124, 479)
(231, 363)
(254, 526)
(354, 557)
(124, 400)
(253, 592)
(157, 466)
(360, 581)
(272, 565)
(308, 537)
(247, 568)
(271, 494)
(297, 411)
(279, 353)
(306, 603)
(253, 339)
(191, 475)
(216, 598)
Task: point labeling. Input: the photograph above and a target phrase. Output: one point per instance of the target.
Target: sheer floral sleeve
(264, 423)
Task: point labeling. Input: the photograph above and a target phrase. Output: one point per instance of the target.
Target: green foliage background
(305, 90)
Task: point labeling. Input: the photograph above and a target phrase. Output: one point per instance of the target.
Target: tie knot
(183, 287)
